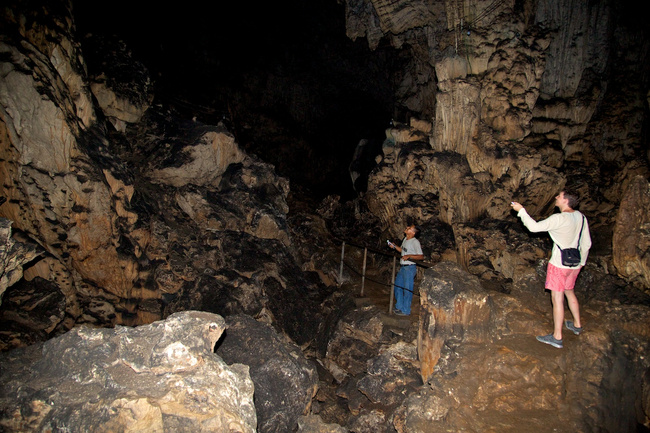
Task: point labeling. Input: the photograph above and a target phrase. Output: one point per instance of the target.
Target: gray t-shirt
(410, 247)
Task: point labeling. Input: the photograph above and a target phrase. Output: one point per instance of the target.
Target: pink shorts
(560, 279)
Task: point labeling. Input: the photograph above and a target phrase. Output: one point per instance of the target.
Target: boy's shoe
(400, 313)
(549, 339)
(571, 327)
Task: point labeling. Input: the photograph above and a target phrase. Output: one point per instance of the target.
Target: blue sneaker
(549, 339)
(571, 327)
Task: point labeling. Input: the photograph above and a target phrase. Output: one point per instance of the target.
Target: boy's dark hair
(572, 196)
(417, 230)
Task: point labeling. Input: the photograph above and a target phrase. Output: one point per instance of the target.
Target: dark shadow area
(283, 77)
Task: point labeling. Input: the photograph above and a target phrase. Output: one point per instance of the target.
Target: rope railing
(364, 266)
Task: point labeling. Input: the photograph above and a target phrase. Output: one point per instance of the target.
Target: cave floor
(377, 293)
(509, 385)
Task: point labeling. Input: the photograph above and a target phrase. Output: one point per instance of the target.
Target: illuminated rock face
(139, 212)
(519, 100)
(631, 240)
(150, 378)
(453, 306)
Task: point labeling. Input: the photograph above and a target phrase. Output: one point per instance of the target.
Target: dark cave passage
(285, 78)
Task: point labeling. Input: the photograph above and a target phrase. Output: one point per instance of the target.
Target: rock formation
(13, 255)
(125, 222)
(158, 377)
(453, 305)
(525, 99)
(140, 212)
(631, 242)
(285, 380)
(371, 366)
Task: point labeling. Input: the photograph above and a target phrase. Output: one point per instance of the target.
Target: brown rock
(453, 307)
(631, 241)
(314, 424)
(13, 255)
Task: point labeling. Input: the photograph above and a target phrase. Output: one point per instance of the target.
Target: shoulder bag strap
(580, 235)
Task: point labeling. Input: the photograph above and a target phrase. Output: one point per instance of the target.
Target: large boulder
(159, 377)
(356, 339)
(285, 381)
(453, 307)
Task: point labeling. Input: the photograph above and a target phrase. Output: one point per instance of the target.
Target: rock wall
(56, 190)
(137, 211)
(518, 99)
(631, 240)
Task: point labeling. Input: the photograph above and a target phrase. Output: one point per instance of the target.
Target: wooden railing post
(363, 274)
(341, 268)
(392, 287)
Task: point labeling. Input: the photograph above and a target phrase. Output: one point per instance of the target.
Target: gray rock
(285, 381)
(158, 377)
(356, 339)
